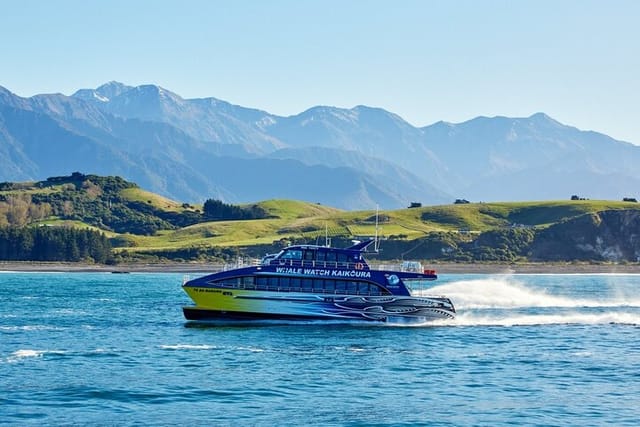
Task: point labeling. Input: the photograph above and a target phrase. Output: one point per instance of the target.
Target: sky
(578, 61)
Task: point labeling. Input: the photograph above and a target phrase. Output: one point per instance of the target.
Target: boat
(312, 282)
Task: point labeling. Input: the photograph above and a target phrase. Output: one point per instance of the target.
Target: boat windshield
(295, 254)
(266, 260)
(411, 266)
(418, 287)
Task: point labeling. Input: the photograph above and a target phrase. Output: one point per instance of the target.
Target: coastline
(441, 268)
(537, 268)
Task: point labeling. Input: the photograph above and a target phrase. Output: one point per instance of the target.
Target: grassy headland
(143, 226)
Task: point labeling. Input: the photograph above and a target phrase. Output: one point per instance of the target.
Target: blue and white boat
(310, 282)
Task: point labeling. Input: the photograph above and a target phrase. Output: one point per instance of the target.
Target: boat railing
(387, 267)
(402, 267)
(361, 265)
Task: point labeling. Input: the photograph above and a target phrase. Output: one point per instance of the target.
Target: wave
(18, 355)
(506, 301)
(507, 319)
(251, 349)
(207, 347)
(475, 319)
(24, 354)
(505, 292)
(27, 353)
(187, 347)
(12, 328)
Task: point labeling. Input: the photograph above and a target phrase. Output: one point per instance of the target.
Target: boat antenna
(376, 241)
(327, 240)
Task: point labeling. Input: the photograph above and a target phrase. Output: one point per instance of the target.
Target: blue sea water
(107, 349)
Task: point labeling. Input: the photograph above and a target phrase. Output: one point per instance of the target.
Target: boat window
(352, 287)
(320, 256)
(383, 291)
(297, 284)
(309, 255)
(331, 256)
(292, 254)
(330, 286)
(283, 282)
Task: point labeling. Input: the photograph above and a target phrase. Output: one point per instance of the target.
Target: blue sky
(576, 60)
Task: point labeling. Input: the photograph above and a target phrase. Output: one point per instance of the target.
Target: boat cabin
(318, 256)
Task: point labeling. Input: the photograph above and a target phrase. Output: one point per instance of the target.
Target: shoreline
(441, 268)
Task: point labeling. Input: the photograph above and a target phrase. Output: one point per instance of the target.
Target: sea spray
(506, 300)
(509, 292)
(570, 318)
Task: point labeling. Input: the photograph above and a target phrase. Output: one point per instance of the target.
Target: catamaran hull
(247, 305)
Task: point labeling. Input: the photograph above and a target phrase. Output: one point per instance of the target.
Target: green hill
(140, 223)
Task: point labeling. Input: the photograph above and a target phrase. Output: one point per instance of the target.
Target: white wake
(504, 301)
(505, 292)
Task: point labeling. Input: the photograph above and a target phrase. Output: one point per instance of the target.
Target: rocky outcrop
(612, 235)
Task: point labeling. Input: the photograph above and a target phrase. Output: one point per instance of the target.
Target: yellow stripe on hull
(219, 299)
(256, 301)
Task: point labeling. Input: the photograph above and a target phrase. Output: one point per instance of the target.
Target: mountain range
(195, 149)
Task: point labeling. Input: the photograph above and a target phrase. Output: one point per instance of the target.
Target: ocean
(525, 350)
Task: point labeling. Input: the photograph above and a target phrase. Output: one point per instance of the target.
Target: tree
(3, 215)
(218, 210)
(92, 190)
(53, 244)
(38, 211)
(17, 212)
(67, 208)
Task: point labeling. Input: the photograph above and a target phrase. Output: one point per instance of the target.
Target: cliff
(612, 235)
